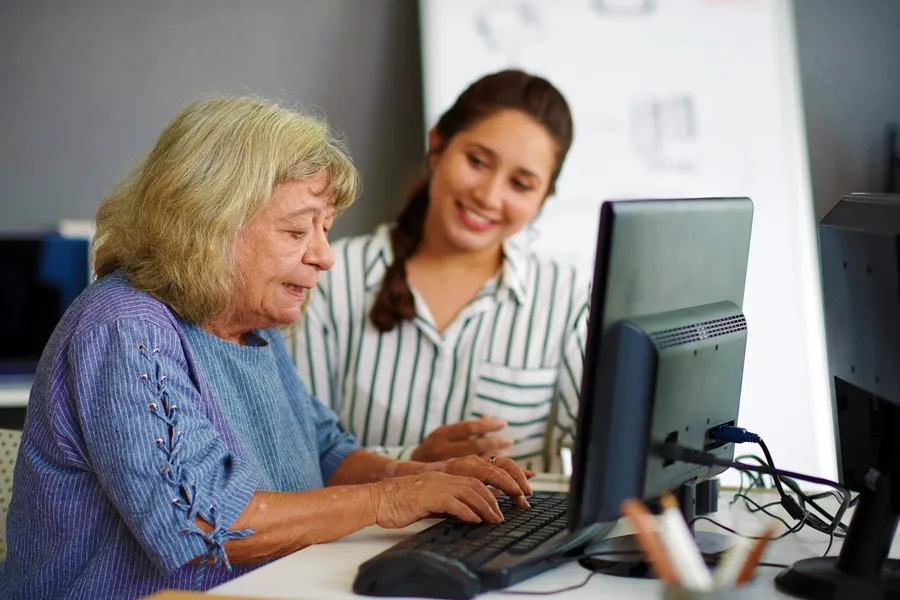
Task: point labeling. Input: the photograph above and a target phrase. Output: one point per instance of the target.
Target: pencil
(732, 563)
(645, 530)
(682, 548)
(754, 556)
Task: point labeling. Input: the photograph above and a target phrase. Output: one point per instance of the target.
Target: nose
(319, 253)
(489, 192)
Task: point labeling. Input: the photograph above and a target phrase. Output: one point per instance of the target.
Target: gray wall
(849, 53)
(87, 85)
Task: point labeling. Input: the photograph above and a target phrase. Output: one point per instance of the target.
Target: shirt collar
(515, 270)
(379, 255)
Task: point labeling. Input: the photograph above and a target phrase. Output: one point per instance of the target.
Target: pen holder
(676, 592)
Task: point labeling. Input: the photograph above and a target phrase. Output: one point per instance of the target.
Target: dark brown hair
(512, 89)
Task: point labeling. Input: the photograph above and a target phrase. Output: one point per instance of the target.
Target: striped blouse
(514, 352)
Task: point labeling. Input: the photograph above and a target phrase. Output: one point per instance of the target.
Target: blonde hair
(171, 225)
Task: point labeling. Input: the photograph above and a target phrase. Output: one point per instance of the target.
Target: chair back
(9, 449)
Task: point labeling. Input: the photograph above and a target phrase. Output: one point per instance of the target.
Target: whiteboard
(674, 98)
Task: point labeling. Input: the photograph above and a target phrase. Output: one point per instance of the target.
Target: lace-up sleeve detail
(151, 444)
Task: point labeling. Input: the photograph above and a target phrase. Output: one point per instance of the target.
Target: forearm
(284, 522)
(363, 466)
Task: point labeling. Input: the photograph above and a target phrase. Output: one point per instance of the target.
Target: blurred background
(87, 85)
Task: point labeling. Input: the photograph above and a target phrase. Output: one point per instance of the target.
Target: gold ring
(493, 460)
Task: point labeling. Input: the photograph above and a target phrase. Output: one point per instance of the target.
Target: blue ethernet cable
(736, 435)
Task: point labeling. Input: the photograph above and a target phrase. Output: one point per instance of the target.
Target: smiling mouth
(474, 220)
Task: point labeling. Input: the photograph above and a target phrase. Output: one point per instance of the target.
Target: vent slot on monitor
(698, 331)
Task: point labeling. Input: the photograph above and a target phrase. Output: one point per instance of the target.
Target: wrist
(372, 503)
(401, 468)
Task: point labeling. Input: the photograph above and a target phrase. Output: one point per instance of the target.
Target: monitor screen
(40, 276)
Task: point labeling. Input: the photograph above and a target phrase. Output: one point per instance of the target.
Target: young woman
(438, 336)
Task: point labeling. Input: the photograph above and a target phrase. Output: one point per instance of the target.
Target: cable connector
(792, 508)
(672, 452)
(735, 435)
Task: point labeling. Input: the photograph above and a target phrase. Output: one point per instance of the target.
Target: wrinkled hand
(462, 439)
(454, 487)
(504, 475)
(401, 501)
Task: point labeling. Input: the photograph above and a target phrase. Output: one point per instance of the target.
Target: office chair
(9, 449)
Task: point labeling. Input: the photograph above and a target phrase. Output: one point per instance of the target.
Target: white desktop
(327, 571)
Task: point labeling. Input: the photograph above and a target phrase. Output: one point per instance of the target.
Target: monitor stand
(628, 559)
(862, 569)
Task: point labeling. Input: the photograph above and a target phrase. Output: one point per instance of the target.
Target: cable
(756, 480)
(739, 435)
(678, 453)
(763, 509)
(834, 528)
(790, 505)
(790, 530)
(549, 592)
(834, 522)
(796, 510)
(577, 585)
(729, 434)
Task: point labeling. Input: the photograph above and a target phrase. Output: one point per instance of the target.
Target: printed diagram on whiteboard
(624, 8)
(507, 28)
(663, 131)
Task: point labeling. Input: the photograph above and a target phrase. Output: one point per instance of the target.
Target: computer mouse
(418, 574)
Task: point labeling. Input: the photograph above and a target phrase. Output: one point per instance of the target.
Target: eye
(298, 235)
(475, 161)
(521, 185)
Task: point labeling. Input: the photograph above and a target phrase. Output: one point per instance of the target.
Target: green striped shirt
(514, 352)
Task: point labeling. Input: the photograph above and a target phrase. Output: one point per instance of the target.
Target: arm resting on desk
(367, 489)
(284, 522)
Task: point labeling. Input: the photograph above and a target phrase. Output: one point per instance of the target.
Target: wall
(88, 85)
(849, 56)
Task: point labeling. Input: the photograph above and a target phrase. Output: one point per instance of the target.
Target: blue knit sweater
(137, 424)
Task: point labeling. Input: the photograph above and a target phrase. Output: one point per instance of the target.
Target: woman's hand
(499, 472)
(462, 439)
(401, 501)
(455, 487)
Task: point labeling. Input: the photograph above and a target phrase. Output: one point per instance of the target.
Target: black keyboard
(452, 559)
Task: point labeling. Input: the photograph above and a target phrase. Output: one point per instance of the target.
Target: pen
(754, 556)
(565, 458)
(645, 530)
(679, 542)
(732, 563)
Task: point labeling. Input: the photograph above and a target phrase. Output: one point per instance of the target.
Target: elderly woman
(169, 442)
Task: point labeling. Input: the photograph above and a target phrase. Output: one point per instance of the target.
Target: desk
(326, 572)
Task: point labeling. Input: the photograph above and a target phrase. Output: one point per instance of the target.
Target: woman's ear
(435, 146)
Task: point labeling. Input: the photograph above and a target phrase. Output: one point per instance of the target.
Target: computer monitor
(859, 243)
(40, 275)
(663, 363)
(664, 358)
